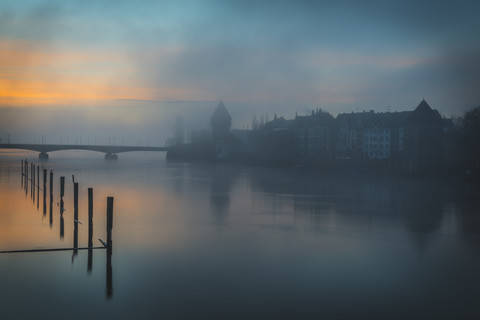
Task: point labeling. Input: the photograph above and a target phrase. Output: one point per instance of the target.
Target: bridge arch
(110, 151)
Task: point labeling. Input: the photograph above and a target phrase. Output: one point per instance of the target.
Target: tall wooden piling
(109, 279)
(90, 217)
(90, 230)
(32, 177)
(26, 176)
(33, 182)
(75, 217)
(44, 191)
(109, 282)
(62, 187)
(51, 198)
(109, 221)
(25, 169)
(62, 193)
(22, 174)
(38, 187)
(75, 200)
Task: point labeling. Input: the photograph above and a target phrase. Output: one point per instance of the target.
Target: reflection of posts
(109, 273)
(62, 227)
(90, 230)
(51, 198)
(109, 246)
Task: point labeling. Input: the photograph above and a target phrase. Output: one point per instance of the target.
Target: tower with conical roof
(423, 140)
(221, 121)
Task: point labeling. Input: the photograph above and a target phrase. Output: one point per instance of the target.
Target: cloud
(263, 54)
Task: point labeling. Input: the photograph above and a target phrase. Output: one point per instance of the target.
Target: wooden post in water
(75, 200)
(75, 217)
(26, 176)
(62, 187)
(51, 198)
(33, 182)
(109, 221)
(22, 174)
(32, 175)
(38, 187)
(90, 230)
(109, 247)
(62, 193)
(44, 191)
(90, 217)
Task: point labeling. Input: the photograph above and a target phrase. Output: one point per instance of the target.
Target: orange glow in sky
(31, 76)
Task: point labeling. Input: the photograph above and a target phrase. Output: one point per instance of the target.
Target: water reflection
(222, 178)
(109, 273)
(62, 227)
(293, 244)
(468, 210)
(17, 210)
(359, 204)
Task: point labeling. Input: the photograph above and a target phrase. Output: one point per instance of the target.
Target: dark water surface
(219, 241)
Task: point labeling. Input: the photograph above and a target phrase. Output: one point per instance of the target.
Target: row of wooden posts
(36, 183)
(28, 178)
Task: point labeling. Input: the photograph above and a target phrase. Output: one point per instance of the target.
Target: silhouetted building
(275, 141)
(220, 122)
(350, 135)
(423, 140)
(314, 136)
(411, 141)
(370, 135)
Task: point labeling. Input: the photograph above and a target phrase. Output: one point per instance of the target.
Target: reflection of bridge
(110, 151)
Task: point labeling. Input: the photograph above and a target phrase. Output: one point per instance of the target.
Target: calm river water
(220, 241)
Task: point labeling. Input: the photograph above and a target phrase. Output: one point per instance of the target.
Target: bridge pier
(111, 156)
(43, 156)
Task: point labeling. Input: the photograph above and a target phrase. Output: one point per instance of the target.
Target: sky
(128, 68)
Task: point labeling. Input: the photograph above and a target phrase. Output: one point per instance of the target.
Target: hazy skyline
(131, 67)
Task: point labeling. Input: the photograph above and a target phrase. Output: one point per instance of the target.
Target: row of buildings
(409, 141)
